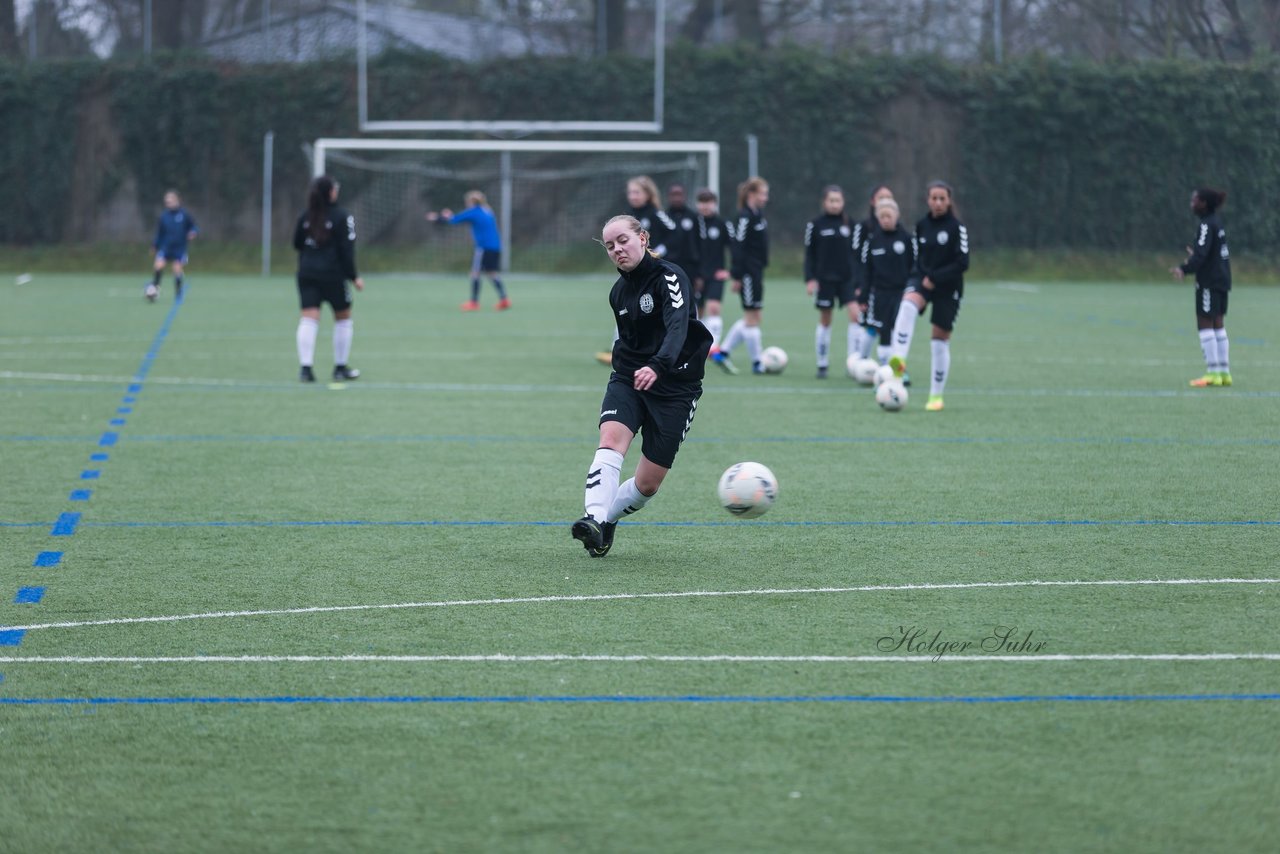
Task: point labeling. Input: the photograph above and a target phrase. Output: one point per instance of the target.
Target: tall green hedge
(1044, 154)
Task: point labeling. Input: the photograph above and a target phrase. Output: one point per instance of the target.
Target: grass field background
(431, 500)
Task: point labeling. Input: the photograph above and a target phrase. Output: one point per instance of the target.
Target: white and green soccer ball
(773, 360)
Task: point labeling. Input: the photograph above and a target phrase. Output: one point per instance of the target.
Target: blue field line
(446, 438)
(67, 523)
(629, 699)
(724, 523)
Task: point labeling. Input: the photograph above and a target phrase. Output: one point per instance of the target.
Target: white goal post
(511, 166)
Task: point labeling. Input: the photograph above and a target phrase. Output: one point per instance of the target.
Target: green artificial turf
(422, 513)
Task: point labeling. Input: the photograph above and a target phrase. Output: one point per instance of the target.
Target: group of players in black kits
(667, 298)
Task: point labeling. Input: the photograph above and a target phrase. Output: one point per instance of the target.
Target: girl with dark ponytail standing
(325, 239)
(1210, 261)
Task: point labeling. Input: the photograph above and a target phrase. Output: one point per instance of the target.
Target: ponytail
(318, 208)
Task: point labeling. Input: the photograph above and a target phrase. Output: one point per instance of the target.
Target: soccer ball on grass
(891, 395)
(861, 371)
(773, 360)
(748, 489)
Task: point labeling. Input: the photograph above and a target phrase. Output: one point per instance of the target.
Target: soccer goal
(551, 197)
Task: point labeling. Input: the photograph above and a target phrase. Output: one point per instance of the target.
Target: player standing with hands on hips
(325, 239)
(658, 362)
(1209, 259)
(174, 229)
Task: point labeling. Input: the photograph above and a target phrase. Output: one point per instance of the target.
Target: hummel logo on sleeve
(622, 312)
(673, 286)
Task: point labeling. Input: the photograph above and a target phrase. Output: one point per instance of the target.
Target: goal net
(550, 198)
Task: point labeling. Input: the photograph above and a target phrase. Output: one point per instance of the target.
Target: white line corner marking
(612, 597)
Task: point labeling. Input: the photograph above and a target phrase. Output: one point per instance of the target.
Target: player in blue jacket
(175, 229)
(488, 254)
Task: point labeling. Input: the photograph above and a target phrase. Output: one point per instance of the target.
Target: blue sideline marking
(90, 474)
(80, 494)
(108, 439)
(28, 594)
(116, 422)
(99, 458)
(128, 398)
(608, 699)
(727, 523)
(66, 525)
(48, 559)
(124, 410)
(11, 637)
(134, 388)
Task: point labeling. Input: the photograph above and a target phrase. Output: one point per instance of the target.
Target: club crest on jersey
(899, 247)
(646, 303)
(686, 224)
(844, 231)
(943, 237)
(713, 232)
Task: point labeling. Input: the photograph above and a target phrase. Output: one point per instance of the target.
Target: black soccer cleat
(342, 372)
(606, 539)
(588, 532)
(306, 375)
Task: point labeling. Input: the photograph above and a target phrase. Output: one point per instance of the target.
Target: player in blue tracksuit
(488, 254)
(175, 229)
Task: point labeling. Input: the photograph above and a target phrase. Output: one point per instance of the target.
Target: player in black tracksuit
(1210, 260)
(658, 362)
(708, 284)
(861, 230)
(750, 250)
(888, 255)
(644, 202)
(828, 272)
(683, 244)
(325, 239)
(943, 243)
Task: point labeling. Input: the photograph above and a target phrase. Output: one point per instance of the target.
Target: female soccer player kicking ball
(658, 363)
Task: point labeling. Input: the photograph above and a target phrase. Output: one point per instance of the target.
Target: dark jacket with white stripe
(828, 249)
(750, 244)
(657, 325)
(1209, 259)
(714, 237)
(888, 258)
(943, 247)
(660, 227)
(684, 246)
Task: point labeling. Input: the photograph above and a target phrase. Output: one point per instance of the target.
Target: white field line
(502, 658)
(613, 597)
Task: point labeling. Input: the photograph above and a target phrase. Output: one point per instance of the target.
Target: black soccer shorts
(661, 421)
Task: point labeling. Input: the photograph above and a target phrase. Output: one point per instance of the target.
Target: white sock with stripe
(882, 354)
(1209, 346)
(853, 340)
(308, 328)
(1224, 351)
(343, 331)
(822, 344)
(628, 500)
(735, 335)
(903, 328)
(941, 352)
(602, 482)
(715, 325)
(754, 339)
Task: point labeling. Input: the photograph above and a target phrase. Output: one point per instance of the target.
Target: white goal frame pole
(711, 149)
(517, 125)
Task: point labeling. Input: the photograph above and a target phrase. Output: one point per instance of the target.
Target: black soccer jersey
(713, 237)
(750, 244)
(1209, 259)
(861, 230)
(684, 247)
(828, 249)
(333, 257)
(657, 325)
(943, 246)
(660, 227)
(888, 258)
